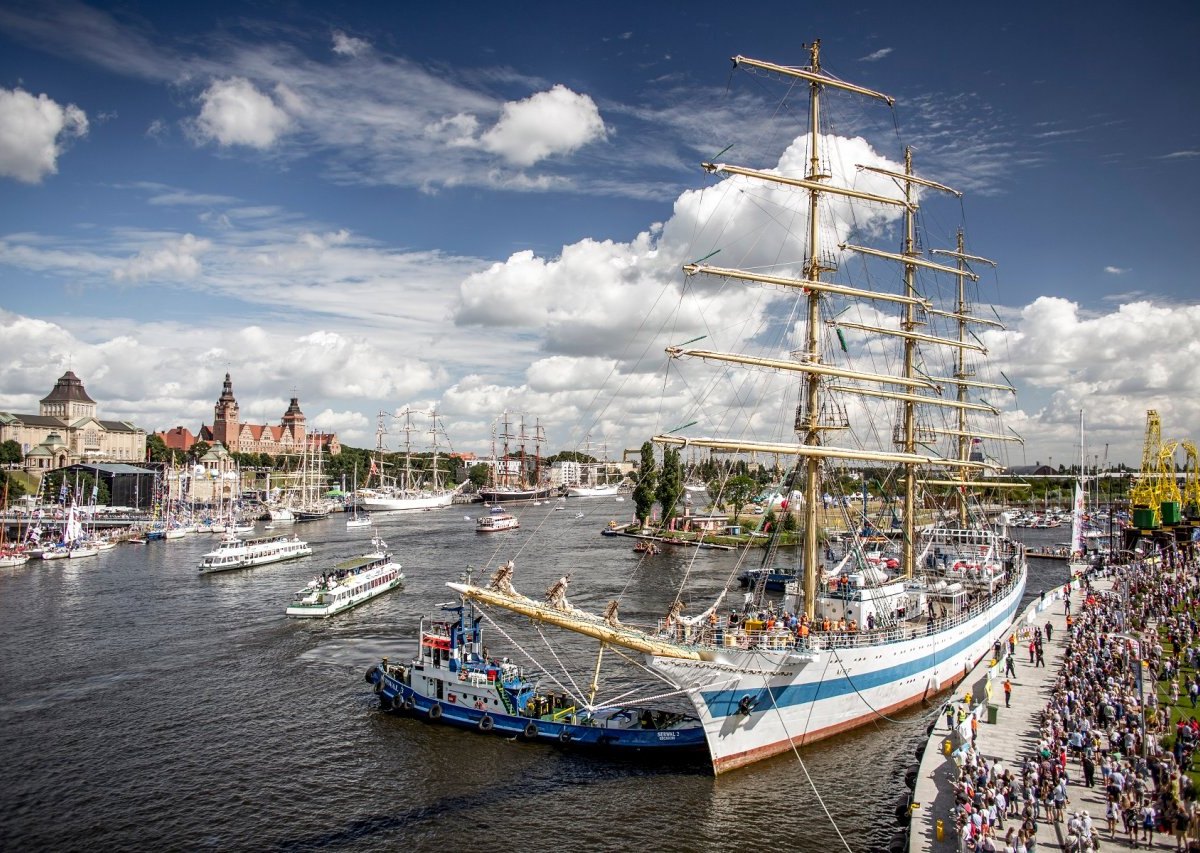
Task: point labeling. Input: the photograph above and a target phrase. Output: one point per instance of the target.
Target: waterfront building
(289, 438)
(66, 430)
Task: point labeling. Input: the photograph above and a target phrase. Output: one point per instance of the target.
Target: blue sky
(415, 204)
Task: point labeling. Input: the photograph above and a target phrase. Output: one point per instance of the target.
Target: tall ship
(880, 372)
(235, 553)
(411, 489)
(595, 480)
(510, 476)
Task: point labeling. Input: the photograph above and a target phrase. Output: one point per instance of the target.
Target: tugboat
(453, 681)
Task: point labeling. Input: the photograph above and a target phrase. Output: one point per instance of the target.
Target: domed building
(66, 431)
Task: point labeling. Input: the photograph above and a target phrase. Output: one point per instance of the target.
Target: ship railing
(782, 638)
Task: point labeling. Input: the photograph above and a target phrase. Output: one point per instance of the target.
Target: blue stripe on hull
(725, 703)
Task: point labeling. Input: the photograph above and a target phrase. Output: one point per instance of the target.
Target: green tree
(198, 449)
(11, 487)
(479, 474)
(10, 453)
(738, 492)
(789, 520)
(79, 486)
(670, 484)
(157, 449)
(647, 480)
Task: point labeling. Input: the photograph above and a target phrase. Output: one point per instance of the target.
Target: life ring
(564, 736)
(409, 704)
(958, 567)
(531, 730)
(435, 711)
(478, 704)
(486, 723)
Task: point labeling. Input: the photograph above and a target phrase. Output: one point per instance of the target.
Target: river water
(145, 705)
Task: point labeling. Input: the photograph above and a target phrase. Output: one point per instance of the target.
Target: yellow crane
(1191, 480)
(1155, 491)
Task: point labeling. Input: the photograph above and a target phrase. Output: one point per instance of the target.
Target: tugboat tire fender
(531, 731)
(408, 703)
(486, 723)
(435, 711)
(379, 686)
(370, 672)
(564, 736)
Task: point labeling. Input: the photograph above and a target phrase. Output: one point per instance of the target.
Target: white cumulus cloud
(1116, 270)
(544, 124)
(346, 45)
(33, 133)
(175, 261)
(234, 112)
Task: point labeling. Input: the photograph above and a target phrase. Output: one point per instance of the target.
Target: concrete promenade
(1012, 738)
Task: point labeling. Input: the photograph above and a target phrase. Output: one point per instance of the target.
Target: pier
(1011, 738)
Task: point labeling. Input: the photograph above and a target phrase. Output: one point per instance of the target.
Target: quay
(666, 540)
(1011, 738)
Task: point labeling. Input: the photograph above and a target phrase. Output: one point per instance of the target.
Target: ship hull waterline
(754, 704)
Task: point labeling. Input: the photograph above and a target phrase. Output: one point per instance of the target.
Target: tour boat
(234, 553)
(496, 522)
(348, 584)
(454, 681)
(900, 397)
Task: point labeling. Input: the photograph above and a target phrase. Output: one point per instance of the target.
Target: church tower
(294, 422)
(225, 418)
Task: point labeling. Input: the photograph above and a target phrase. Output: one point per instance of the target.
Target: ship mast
(908, 545)
(809, 427)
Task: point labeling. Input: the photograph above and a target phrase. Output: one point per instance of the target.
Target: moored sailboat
(864, 639)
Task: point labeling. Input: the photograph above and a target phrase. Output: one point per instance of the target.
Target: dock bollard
(941, 830)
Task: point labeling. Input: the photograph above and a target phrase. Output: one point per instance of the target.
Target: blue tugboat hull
(398, 697)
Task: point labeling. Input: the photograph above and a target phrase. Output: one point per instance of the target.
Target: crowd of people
(1104, 727)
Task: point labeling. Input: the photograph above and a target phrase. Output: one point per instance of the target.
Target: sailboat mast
(435, 473)
(408, 431)
(908, 545)
(812, 382)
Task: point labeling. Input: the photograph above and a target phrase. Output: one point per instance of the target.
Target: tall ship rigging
(907, 396)
(411, 489)
(510, 477)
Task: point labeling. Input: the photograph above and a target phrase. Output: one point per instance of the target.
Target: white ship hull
(244, 555)
(592, 491)
(383, 503)
(797, 699)
(373, 584)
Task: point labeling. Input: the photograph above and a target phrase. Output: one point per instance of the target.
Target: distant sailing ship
(865, 640)
(595, 482)
(509, 476)
(411, 489)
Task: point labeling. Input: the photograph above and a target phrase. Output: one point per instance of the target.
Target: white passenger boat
(234, 553)
(349, 584)
(496, 522)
